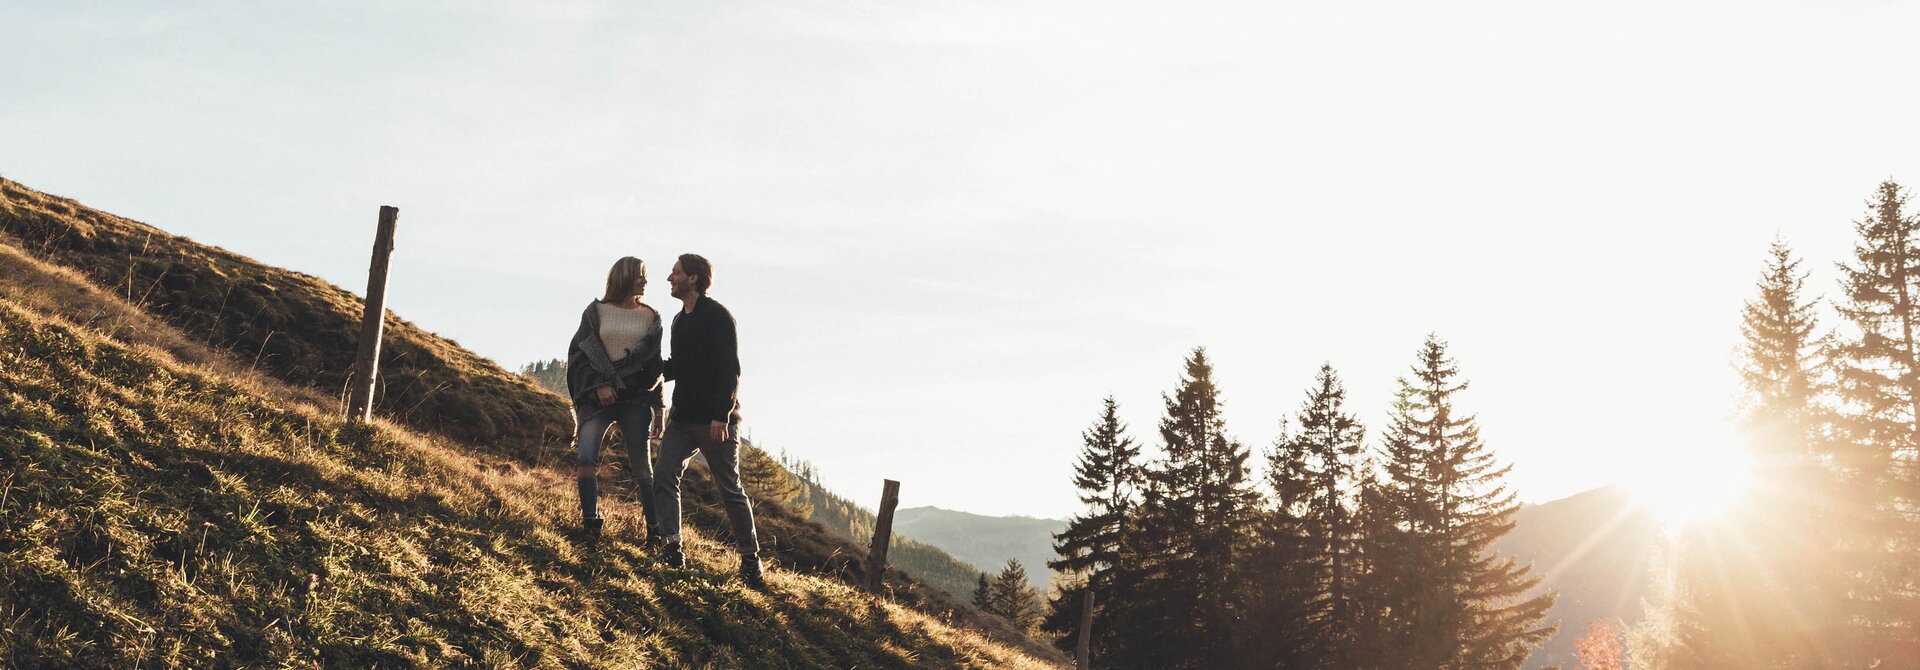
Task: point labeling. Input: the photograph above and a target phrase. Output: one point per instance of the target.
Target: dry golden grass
(166, 502)
(160, 514)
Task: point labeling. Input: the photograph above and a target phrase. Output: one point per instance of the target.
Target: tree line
(1358, 555)
(1349, 557)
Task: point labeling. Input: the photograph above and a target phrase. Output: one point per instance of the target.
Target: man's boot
(750, 573)
(592, 528)
(672, 556)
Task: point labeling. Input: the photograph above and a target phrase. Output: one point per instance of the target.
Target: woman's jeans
(723, 461)
(590, 434)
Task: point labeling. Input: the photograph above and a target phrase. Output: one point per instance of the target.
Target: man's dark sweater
(705, 367)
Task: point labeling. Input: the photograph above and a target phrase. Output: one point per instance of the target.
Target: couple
(614, 375)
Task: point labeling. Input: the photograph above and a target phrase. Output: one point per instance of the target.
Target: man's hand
(659, 427)
(604, 394)
(719, 431)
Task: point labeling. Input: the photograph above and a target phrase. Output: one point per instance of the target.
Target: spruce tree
(1763, 579)
(1011, 597)
(766, 479)
(1878, 382)
(1194, 528)
(1450, 600)
(1308, 573)
(982, 595)
(1380, 558)
(1109, 478)
(1757, 589)
(1062, 618)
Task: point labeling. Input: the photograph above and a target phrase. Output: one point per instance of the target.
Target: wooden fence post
(1083, 647)
(882, 535)
(366, 365)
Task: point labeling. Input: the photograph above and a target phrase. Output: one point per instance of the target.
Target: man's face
(680, 282)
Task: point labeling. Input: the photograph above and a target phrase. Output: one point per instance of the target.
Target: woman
(613, 375)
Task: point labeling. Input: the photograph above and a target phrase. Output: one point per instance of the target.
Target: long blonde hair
(620, 279)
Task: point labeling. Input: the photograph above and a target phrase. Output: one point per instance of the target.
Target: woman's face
(639, 286)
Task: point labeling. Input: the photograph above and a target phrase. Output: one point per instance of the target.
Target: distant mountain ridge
(985, 541)
(1593, 548)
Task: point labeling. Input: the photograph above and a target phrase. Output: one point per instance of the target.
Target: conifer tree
(1194, 528)
(1062, 618)
(1011, 597)
(1109, 478)
(1308, 572)
(1381, 556)
(982, 595)
(1763, 581)
(1878, 383)
(1450, 600)
(767, 479)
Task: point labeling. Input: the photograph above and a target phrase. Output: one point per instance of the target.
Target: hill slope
(165, 505)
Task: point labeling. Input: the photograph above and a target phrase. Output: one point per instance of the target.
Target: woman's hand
(604, 394)
(718, 431)
(659, 426)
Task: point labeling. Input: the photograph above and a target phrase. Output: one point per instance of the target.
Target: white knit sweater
(623, 329)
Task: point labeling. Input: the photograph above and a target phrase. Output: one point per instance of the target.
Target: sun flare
(1694, 483)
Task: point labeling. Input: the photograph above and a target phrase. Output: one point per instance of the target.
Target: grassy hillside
(165, 502)
(290, 325)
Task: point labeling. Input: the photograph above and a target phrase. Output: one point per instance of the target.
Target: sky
(949, 229)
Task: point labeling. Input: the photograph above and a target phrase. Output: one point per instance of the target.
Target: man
(705, 370)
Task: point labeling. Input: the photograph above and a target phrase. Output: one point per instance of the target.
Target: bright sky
(948, 229)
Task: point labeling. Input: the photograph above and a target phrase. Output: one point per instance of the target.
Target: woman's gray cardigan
(589, 366)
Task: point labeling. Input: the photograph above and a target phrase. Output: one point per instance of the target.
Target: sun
(1693, 483)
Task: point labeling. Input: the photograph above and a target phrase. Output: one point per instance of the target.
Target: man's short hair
(697, 265)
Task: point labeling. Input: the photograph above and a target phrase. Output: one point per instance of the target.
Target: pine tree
(982, 595)
(1450, 601)
(1194, 528)
(1062, 619)
(1879, 385)
(1763, 581)
(1381, 557)
(1756, 589)
(1307, 576)
(1011, 597)
(1109, 478)
(767, 479)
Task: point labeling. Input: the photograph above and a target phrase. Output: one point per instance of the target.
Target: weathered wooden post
(882, 535)
(366, 366)
(1083, 647)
